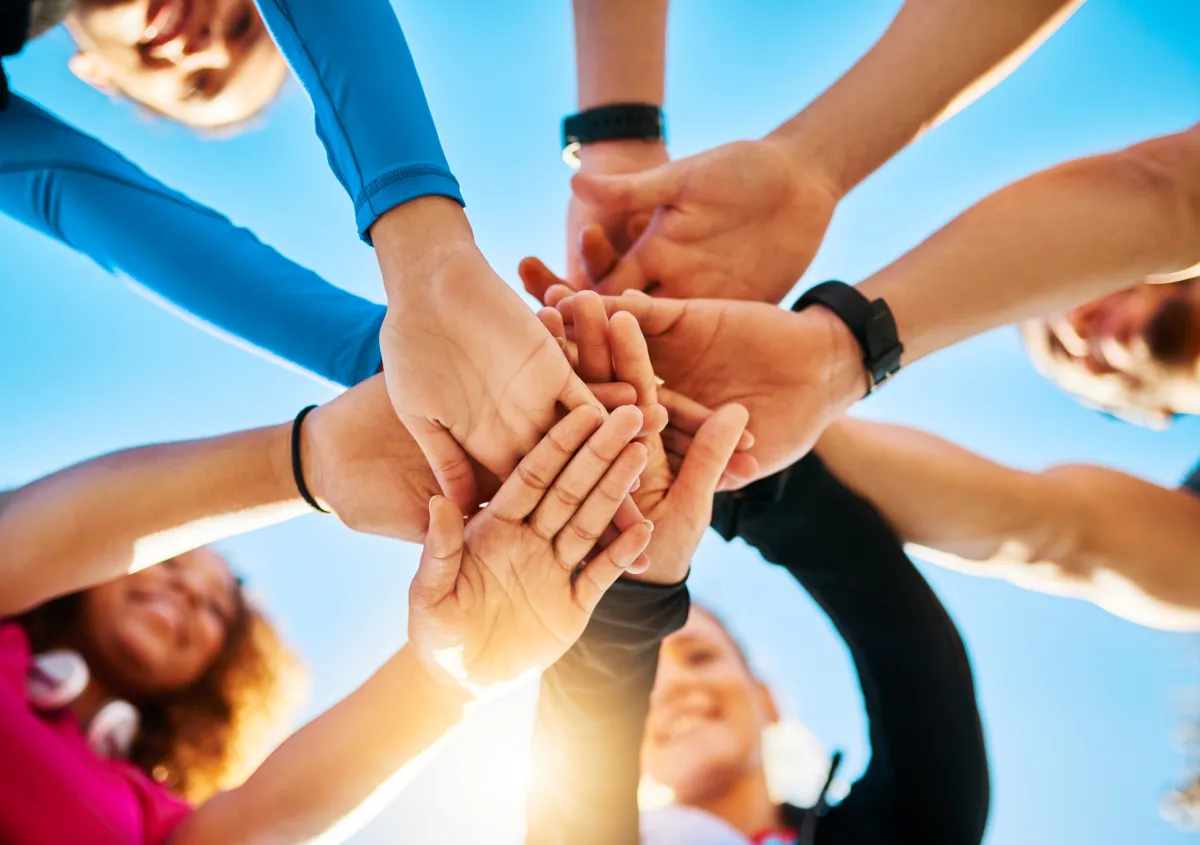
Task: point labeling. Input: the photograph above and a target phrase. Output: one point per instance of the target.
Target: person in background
(176, 649)
(1134, 354)
(208, 64)
(644, 693)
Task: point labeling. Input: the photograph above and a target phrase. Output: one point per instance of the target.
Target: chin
(694, 779)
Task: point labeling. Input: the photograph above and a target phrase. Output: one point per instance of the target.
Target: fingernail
(749, 439)
(649, 524)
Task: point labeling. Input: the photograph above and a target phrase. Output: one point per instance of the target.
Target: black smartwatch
(618, 122)
(870, 321)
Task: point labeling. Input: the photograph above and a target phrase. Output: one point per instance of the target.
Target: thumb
(450, 464)
(707, 457)
(442, 555)
(630, 192)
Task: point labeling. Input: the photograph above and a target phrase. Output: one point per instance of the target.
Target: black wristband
(297, 470)
(870, 321)
(617, 122)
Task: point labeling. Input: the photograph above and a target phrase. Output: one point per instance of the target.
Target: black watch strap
(870, 321)
(616, 122)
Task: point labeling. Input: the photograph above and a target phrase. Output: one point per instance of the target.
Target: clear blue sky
(1080, 708)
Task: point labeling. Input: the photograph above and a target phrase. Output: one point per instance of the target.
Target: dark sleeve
(928, 777)
(591, 716)
(179, 253)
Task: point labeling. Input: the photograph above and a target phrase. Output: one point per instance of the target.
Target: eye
(241, 24)
(170, 563)
(700, 657)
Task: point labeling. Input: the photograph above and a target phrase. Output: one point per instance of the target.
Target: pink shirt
(53, 789)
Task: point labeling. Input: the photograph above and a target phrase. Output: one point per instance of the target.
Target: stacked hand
(510, 592)
(679, 503)
(741, 221)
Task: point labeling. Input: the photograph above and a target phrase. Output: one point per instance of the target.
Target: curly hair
(210, 736)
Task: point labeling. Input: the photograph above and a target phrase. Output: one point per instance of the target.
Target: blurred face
(205, 63)
(1144, 340)
(159, 630)
(707, 714)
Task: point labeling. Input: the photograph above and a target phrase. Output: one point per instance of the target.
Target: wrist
(817, 160)
(621, 156)
(412, 238)
(312, 434)
(843, 377)
(279, 459)
(428, 676)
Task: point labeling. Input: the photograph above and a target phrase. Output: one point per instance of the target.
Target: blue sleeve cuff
(397, 187)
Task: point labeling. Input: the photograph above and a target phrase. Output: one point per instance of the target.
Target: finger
(556, 293)
(584, 471)
(591, 336)
(575, 394)
(741, 469)
(553, 322)
(630, 192)
(654, 315)
(441, 557)
(631, 357)
(597, 251)
(688, 415)
(450, 464)
(705, 461)
(602, 571)
(654, 419)
(637, 224)
(614, 394)
(585, 528)
(571, 351)
(538, 278)
(520, 494)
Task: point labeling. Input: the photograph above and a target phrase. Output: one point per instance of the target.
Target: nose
(188, 584)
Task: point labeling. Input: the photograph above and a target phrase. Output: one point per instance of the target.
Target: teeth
(684, 724)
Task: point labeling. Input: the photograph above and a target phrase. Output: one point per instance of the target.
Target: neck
(746, 805)
(93, 697)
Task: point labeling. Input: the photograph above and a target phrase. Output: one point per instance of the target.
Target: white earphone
(56, 678)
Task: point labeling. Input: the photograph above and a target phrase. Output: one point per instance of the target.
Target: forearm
(620, 51)
(591, 717)
(928, 777)
(935, 58)
(1048, 242)
(95, 521)
(1082, 531)
(371, 111)
(330, 766)
(69, 185)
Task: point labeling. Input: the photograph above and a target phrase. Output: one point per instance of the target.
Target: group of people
(560, 466)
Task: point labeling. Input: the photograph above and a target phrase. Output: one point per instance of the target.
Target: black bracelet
(297, 471)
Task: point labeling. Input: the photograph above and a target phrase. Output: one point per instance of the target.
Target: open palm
(515, 589)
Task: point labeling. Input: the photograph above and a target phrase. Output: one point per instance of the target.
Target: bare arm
(1094, 533)
(105, 517)
(936, 58)
(331, 765)
(620, 51)
(1051, 241)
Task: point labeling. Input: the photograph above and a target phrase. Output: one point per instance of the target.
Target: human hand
(794, 372)
(512, 592)
(595, 235)
(469, 369)
(678, 502)
(740, 221)
(361, 463)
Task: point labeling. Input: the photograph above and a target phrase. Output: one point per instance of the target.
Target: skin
(158, 630)
(1142, 340)
(704, 729)
(205, 63)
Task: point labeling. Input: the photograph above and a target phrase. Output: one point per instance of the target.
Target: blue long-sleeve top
(80, 192)
(371, 111)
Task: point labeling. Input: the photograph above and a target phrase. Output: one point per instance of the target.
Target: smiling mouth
(165, 21)
(682, 725)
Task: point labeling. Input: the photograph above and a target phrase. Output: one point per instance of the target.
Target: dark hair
(206, 738)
